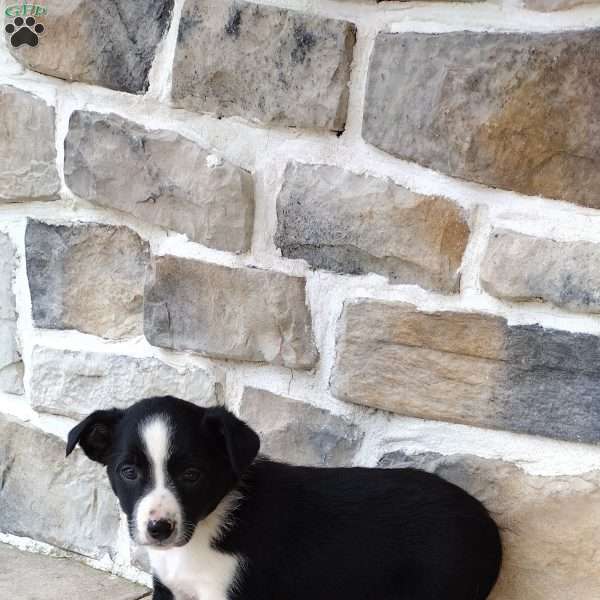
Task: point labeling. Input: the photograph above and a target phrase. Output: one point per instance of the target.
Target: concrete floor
(26, 576)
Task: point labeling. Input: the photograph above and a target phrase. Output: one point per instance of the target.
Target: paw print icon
(24, 31)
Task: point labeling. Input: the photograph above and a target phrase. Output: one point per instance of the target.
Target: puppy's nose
(160, 530)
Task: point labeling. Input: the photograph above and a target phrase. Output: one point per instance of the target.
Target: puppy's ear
(240, 442)
(95, 434)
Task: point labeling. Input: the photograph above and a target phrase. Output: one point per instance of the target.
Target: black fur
(358, 534)
(161, 592)
(308, 533)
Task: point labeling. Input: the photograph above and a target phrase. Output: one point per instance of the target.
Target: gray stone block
(239, 314)
(88, 277)
(469, 368)
(74, 384)
(171, 181)
(480, 105)
(273, 65)
(67, 503)
(27, 147)
(519, 268)
(298, 433)
(11, 366)
(348, 223)
(110, 43)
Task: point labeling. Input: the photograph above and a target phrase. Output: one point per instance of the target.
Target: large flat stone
(469, 368)
(298, 433)
(65, 502)
(548, 524)
(27, 576)
(28, 167)
(519, 267)
(172, 181)
(479, 107)
(88, 277)
(349, 223)
(110, 43)
(11, 366)
(74, 384)
(240, 314)
(274, 65)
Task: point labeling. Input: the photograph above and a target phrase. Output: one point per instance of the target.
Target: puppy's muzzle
(161, 530)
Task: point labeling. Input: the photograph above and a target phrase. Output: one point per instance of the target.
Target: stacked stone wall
(371, 229)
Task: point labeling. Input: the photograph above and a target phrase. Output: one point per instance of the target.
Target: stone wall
(370, 229)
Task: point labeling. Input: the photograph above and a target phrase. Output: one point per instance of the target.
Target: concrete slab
(26, 576)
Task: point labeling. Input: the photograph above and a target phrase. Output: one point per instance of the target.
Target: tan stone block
(66, 503)
(468, 368)
(512, 110)
(239, 314)
(519, 268)
(88, 277)
(276, 66)
(74, 384)
(349, 223)
(112, 44)
(28, 168)
(171, 181)
(299, 433)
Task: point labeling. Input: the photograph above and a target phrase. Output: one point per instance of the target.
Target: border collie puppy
(220, 524)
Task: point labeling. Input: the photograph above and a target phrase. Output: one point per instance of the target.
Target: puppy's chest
(195, 571)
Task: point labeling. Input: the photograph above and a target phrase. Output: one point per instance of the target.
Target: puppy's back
(364, 533)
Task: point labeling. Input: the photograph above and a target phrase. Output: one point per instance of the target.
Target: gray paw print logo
(25, 31)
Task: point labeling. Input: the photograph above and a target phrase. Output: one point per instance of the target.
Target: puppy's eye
(129, 472)
(191, 475)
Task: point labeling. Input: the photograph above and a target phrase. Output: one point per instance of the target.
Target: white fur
(160, 502)
(197, 571)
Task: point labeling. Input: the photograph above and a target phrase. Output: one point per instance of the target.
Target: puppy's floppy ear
(240, 442)
(95, 434)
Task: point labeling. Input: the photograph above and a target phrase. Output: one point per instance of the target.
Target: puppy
(221, 524)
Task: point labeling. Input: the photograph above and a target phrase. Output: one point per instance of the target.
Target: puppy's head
(169, 462)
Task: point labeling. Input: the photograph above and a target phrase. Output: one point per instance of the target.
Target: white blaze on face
(160, 502)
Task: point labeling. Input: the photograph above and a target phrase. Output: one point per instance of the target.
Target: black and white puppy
(220, 524)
